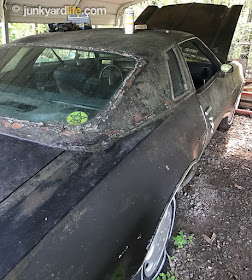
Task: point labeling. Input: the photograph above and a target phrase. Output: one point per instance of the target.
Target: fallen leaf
(208, 239)
(238, 187)
(213, 237)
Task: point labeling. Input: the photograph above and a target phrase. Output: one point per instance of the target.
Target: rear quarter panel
(107, 233)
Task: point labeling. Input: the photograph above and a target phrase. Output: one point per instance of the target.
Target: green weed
(168, 276)
(179, 240)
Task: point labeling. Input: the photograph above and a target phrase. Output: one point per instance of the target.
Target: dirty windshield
(53, 85)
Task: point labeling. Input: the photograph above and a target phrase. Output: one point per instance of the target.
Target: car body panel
(213, 24)
(19, 162)
(126, 204)
(97, 135)
(92, 215)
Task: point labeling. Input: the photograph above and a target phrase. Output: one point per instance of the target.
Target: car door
(190, 126)
(208, 80)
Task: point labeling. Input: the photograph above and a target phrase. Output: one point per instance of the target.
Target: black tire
(227, 121)
(190, 175)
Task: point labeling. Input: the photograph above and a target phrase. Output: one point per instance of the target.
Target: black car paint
(106, 235)
(126, 204)
(19, 162)
(213, 24)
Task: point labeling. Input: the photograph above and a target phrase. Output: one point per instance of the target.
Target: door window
(177, 81)
(202, 69)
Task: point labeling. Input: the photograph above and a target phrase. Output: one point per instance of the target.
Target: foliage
(20, 30)
(179, 240)
(168, 276)
(191, 239)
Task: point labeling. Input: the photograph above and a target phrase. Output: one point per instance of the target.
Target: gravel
(218, 201)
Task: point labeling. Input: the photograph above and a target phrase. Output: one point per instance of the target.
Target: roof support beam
(121, 10)
(4, 24)
(77, 3)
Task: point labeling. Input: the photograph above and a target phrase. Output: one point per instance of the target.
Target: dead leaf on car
(208, 239)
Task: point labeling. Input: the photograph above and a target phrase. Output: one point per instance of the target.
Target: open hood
(213, 24)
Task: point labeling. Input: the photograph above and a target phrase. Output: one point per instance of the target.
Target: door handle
(211, 120)
(209, 109)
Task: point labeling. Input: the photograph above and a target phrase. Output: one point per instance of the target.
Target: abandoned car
(98, 131)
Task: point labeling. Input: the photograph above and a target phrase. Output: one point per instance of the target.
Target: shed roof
(114, 10)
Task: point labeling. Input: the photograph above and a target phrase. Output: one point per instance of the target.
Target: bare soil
(218, 201)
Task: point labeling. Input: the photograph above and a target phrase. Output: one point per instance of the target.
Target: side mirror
(227, 68)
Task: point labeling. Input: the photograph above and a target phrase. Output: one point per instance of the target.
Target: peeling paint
(136, 104)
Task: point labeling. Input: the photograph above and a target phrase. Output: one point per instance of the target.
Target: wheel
(156, 259)
(228, 120)
(189, 176)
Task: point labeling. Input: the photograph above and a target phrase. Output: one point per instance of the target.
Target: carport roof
(114, 10)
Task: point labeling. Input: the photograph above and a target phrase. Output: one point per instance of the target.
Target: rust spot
(138, 118)
(113, 132)
(130, 81)
(144, 62)
(17, 125)
(6, 124)
(168, 102)
(13, 125)
(67, 132)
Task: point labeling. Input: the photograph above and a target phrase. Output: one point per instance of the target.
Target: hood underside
(213, 24)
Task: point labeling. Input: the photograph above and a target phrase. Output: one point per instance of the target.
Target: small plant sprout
(168, 276)
(179, 240)
(191, 239)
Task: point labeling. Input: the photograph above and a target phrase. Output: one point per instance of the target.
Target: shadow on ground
(218, 200)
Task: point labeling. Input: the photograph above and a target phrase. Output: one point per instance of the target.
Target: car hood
(213, 24)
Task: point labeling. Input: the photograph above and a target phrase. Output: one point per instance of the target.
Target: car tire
(228, 120)
(149, 271)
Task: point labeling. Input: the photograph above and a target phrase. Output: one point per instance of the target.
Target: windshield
(53, 85)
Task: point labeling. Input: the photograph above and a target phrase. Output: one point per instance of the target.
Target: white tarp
(17, 8)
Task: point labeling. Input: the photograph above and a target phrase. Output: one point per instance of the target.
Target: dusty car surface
(99, 130)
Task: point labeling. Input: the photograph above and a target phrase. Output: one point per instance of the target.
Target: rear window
(53, 85)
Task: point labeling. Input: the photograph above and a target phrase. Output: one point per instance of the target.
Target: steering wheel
(111, 75)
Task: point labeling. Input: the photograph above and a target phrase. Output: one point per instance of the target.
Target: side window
(202, 69)
(175, 73)
(50, 55)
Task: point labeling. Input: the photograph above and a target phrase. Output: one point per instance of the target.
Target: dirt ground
(218, 201)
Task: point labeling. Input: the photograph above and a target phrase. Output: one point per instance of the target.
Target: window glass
(51, 55)
(45, 85)
(12, 63)
(176, 76)
(200, 66)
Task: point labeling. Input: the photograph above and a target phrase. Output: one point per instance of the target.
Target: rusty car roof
(112, 123)
(141, 43)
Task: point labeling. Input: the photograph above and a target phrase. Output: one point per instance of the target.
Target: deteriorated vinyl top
(142, 43)
(137, 102)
